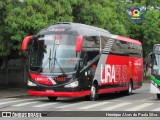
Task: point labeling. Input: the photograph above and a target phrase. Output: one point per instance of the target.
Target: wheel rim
(130, 88)
(93, 91)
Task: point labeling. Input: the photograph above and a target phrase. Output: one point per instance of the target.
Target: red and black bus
(75, 60)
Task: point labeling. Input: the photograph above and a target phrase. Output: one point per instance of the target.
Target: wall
(13, 73)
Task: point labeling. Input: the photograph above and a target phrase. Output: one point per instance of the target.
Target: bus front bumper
(58, 93)
(154, 88)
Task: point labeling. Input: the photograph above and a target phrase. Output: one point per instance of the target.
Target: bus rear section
(74, 60)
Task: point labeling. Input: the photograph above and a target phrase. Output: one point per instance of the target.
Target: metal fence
(14, 73)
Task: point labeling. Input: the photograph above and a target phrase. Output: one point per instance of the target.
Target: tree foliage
(19, 19)
(148, 32)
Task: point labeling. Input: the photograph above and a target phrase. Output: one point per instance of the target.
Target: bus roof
(85, 30)
(81, 29)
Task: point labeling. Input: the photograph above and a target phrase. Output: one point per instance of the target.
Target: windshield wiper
(60, 66)
(49, 60)
(55, 60)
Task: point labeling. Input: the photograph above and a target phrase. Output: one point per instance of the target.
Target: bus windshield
(54, 54)
(156, 64)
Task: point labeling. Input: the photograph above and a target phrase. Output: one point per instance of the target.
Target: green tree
(151, 30)
(19, 19)
(23, 19)
(3, 49)
(101, 14)
(28, 17)
(148, 32)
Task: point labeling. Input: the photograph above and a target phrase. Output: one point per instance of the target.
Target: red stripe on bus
(128, 39)
(58, 93)
(111, 90)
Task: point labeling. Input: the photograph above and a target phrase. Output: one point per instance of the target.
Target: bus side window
(91, 42)
(135, 50)
(116, 48)
(91, 46)
(124, 47)
(157, 48)
(104, 41)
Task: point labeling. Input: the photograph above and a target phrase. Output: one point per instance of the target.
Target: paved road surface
(140, 100)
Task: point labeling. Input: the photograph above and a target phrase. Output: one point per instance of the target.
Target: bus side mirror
(25, 42)
(79, 42)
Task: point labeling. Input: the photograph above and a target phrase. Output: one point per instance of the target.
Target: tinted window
(126, 48)
(92, 42)
(135, 50)
(157, 49)
(104, 41)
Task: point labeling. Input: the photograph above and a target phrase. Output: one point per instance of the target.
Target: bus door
(90, 56)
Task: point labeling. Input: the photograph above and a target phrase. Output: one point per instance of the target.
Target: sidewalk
(13, 92)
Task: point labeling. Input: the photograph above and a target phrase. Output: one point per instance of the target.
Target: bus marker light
(79, 42)
(94, 66)
(57, 39)
(60, 79)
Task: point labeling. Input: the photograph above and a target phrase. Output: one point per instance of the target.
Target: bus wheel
(158, 96)
(52, 98)
(129, 91)
(94, 92)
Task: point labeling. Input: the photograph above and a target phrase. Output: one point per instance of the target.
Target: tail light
(40, 79)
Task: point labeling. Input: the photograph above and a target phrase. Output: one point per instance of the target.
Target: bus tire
(52, 98)
(94, 92)
(158, 96)
(129, 91)
(130, 88)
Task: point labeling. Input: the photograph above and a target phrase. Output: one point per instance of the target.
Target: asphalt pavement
(16, 99)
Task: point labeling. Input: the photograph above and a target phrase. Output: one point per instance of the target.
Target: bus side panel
(118, 71)
(137, 71)
(134, 71)
(101, 63)
(109, 73)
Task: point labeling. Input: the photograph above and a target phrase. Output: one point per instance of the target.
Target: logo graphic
(6, 114)
(136, 14)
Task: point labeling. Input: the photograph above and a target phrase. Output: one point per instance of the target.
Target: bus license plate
(50, 91)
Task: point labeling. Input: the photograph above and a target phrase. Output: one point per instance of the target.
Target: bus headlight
(31, 83)
(72, 85)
